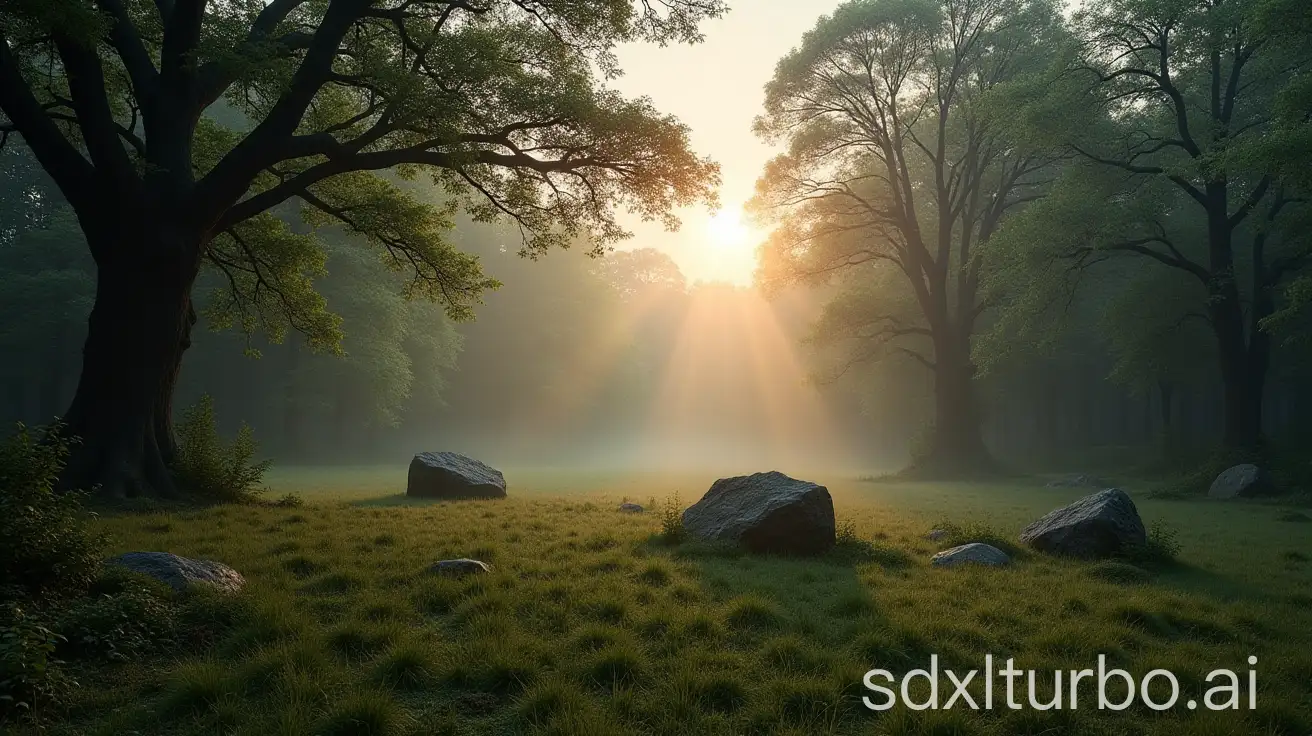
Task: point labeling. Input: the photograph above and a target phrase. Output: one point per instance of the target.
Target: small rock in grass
(936, 534)
(631, 508)
(1240, 481)
(179, 572)
(1078, 481)
(976, 553)
(460, 568)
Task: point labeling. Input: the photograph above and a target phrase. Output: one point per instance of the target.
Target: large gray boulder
(975, 553)
(1097, 526)
(765, 512)
(181, 572)
(1240, 481)
(448, 475)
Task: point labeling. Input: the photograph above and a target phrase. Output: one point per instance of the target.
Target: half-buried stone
(1240, 481)
(449, 475)
(975, 553)
(765, 512)
(181, 572)
(1097, 526)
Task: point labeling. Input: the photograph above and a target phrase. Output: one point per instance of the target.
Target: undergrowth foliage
(671, 515)
(29, 672)
(45, 548)
(211, 469)
(1161, 548)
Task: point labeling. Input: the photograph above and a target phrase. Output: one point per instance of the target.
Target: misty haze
(655, 368)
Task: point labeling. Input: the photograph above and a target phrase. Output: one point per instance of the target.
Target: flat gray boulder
(765, 512)
(449, 475)
(460, 568)
(975, 553)
(180, 572)
(1240, 481)
(1097, 526)
(630, 508)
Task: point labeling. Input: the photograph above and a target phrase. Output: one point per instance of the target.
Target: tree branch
(72, 173)
(125, 40)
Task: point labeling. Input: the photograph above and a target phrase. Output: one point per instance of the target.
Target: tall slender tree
(499, 101)
(895, 179)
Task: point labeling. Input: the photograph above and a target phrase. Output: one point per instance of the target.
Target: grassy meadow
(591, 624)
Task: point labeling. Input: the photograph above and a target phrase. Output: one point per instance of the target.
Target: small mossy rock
(1098, 526)
(975, 553)
(180, 572)
(765, 512)
(1240, 481)
(1077, 481)
(631, 508)
(460, 568)
(449, 475)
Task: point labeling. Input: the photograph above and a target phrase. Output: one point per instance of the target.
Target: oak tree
(502, 104)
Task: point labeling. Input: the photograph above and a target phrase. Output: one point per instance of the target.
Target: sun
(731, 256)
(727, 230)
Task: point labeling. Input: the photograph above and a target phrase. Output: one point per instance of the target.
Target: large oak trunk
(140, 325)
(956, 444)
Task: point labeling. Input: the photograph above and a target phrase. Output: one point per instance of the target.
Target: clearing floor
(592, 624)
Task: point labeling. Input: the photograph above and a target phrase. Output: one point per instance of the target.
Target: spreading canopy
(212, 114)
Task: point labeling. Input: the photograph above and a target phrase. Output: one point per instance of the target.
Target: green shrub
(288, 501)
(1161, 547)
(45, 547)
(671, 515)
(207, 467)
(118, 626)
(29, 673)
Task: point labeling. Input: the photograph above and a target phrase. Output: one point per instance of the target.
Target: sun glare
(727, 229)
(731, 256)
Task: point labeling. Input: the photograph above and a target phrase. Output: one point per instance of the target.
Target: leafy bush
(1161, 548)
(671, 515)
(45, 547)
(207, 467)
(29, 673)
(135, 620)
(288, 501)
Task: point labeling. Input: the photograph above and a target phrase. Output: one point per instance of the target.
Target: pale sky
(717, 88)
